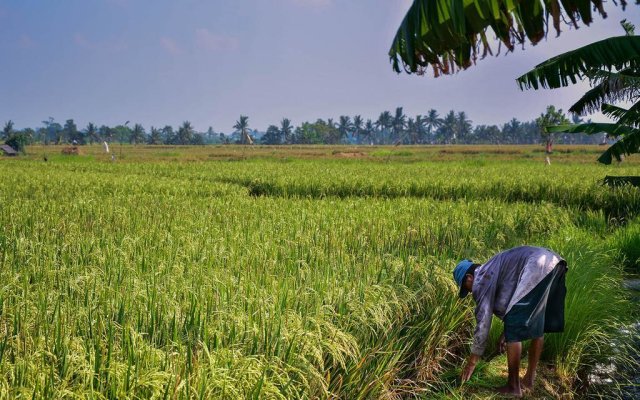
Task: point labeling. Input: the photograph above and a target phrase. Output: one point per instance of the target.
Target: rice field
(296, 276)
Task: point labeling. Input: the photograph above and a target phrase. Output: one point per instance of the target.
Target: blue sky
(166, 61)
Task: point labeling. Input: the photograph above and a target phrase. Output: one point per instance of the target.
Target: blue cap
(459, 273)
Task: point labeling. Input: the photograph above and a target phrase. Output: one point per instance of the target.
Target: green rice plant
(626, 240)
(170, 280)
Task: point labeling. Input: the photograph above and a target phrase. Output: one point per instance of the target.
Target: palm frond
(609, 87)
(593, 128)
(629, 144)
(618, 52)
(449, 35)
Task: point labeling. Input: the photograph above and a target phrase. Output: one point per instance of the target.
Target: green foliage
(448, 35)
(613, 67)
(626, 241)
(242, 128)
(18, 141)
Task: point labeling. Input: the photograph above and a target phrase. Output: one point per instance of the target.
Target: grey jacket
(502, 281)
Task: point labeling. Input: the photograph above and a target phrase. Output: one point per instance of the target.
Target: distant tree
(210, 136)
(286, 131)
(447, 131)
(356, 127)
(168, 135)
(18, 141)
(155, 136)
(550, 117)
(399, 123)
(432, 122)
(122, 133)
(138, 135)
(383, 123)
(91, 133)
(344, 127)
(185, 133)
(242, 128)
(368, 131)
(197, 139)
(53, 131)
(7, 131)
(71, 133)
(463, 126)
(272, 136)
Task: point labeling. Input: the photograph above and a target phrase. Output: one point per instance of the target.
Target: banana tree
(449, 35)
(613, 68)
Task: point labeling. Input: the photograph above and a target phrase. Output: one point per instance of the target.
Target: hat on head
(463, 268)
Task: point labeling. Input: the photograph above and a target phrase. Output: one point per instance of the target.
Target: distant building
(8, 150)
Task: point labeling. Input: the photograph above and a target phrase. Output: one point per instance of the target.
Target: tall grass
(158, 280)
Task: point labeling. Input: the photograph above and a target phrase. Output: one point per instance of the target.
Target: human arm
(469, 367)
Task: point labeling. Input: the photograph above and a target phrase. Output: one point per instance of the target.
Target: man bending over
(525, 288)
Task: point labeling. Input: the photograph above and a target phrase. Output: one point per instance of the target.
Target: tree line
(388, 128)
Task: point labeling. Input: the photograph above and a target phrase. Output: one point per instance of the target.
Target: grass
(152, 279)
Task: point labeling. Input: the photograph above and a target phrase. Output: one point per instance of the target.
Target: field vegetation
(233, 273)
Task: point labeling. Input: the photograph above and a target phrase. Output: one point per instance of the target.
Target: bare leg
(514, 351)
(535, 350)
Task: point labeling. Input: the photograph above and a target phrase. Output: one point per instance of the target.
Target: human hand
(469, 367)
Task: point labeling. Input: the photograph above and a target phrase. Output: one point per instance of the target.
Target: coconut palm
(399, 123)
(383, 123)
(137, 134)
(432, 122)
(368, 131)
(7, 131)
(448, 35)
(463, 126)
(242, 128)
(613, 67)
(91, 133)
(155, 136)
(344, 127)
(286, 130)
(185, 133)
(356, 127)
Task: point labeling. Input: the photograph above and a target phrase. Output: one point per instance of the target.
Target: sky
(163, 62)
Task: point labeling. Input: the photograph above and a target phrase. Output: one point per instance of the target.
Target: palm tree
(155, 136)
(399, 123)
(463, 126)
(448, 35)
(447, 131)
(613, 67)
(137, 135)
(383, 123)
(242, 128)
(432, 122)
(344, 127)
(420, 130)
(356, 126)
(286, 130)
(7, 131)
(91, 132)
(185, 133)
(369, 130)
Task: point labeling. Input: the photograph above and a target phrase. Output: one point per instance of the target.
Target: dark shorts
(540, 311)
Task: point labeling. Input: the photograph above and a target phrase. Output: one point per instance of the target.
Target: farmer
(525, 288)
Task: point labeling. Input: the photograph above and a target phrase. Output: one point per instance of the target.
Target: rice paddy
(290, 277)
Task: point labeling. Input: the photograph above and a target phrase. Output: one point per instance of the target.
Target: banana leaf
(608, 87)
(449, 35)
(615, 53)
(629, 142)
